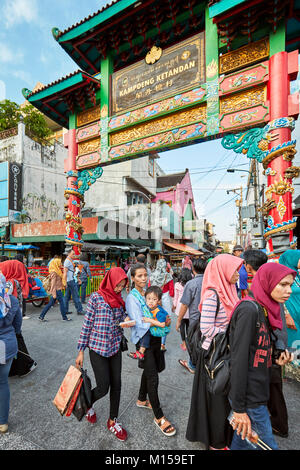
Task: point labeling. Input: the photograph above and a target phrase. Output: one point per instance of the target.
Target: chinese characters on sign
(181, 67)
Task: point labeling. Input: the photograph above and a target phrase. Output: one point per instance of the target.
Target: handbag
(84, 400)
(23, 362)
(47, 284)
(124, 344)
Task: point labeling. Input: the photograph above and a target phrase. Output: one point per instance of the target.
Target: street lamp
(232, 170)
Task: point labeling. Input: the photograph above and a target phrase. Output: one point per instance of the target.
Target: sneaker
(91, 416)
(3, 428)
(42, 319)
(66, 319)
(34, 366)
(117, 430)
(69, 313)
(80, 313)
(26, 317)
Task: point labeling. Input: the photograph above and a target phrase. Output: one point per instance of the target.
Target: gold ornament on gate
(153, 55)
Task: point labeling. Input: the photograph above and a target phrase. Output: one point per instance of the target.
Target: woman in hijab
(102, 334)
(17, 285)
(251, 348)
(162, 278)
(291, 259)
(10, 325)
(56, 287)
(208, 413)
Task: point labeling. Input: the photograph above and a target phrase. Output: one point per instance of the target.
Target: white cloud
(23, 76)
(9, 55)
(19, 11)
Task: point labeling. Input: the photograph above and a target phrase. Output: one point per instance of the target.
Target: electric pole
(239, 204)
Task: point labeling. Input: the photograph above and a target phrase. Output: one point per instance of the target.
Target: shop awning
(98, 248)
(21, 247)
(184, 248)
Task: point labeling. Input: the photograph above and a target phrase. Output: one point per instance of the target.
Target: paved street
(35, 424)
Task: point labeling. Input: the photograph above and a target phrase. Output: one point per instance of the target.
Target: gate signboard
(160, 74)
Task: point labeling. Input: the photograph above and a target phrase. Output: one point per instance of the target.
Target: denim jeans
(60, 298)
(4, 391)
(260, 421)
(72, 289)
(83, 290)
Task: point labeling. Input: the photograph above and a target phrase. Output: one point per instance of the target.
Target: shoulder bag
(193, 338)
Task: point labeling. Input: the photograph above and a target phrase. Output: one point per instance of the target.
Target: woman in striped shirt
(208, 413)
(102, 334)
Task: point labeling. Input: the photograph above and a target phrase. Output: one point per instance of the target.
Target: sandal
(165, 426)
(144, 404)
(185, 365)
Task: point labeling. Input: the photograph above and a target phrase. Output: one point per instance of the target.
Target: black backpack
(193, 338)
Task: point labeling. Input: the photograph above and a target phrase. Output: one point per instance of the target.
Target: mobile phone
(295, 352)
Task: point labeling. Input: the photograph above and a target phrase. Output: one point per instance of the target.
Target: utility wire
(220, 206)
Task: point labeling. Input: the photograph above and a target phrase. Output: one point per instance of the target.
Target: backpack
(193, 338)
(217, 360)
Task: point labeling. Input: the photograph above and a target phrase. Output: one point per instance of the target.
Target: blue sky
(29, 53)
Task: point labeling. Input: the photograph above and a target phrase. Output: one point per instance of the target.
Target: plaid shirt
(100, 331)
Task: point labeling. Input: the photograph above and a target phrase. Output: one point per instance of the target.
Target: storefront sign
(180, 67)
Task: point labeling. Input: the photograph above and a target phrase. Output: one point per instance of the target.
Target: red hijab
(109, 283)
(217, 275)
(264, 281)
(15, 270)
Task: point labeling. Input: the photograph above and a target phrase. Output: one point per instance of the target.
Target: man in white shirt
(72, 289)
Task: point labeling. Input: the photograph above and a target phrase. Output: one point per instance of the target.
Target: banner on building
(15, 190)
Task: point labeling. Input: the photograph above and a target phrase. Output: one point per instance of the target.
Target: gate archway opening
(159, 75)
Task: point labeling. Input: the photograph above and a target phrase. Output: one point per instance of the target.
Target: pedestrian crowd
(238, 300)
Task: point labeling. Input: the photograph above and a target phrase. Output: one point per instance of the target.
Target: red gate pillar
(281, 151)
(74, 198)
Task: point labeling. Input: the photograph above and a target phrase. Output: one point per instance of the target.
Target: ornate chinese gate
(157, 75)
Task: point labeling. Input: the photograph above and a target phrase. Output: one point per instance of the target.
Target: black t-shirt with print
(251, 357)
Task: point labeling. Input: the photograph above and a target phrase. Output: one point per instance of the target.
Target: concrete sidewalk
(35, 424)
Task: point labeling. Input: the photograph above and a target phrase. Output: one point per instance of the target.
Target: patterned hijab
(217, 276)
(5, 303)
(160, 276)
(54, 267)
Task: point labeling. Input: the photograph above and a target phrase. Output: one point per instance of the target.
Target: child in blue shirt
(157, 319)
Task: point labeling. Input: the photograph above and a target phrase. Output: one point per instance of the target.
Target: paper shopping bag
(67, 389)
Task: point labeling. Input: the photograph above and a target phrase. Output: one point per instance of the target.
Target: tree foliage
(11, 113)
